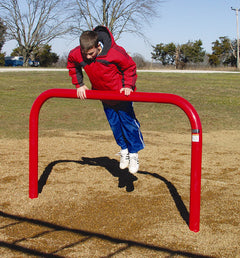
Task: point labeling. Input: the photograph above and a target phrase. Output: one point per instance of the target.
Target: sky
(179, 21)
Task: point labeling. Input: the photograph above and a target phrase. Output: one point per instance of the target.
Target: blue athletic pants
(125, 126)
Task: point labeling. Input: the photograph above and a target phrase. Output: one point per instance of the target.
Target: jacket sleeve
(127, 67)
(75, 70)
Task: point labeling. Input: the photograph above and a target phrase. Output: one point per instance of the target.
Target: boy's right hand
(81, 92)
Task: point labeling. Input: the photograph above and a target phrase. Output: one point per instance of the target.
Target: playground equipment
(196, 151)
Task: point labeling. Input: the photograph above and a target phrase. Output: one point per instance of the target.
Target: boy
(109, 67)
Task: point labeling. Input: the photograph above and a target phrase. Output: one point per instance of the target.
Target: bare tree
(139, 60)
(33, 22)
(118, 15)
(2, 34)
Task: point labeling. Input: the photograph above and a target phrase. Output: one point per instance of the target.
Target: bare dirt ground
(87, 207)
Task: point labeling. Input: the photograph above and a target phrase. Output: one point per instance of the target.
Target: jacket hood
(106, 37)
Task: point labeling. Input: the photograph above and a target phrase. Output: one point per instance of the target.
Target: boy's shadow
(125, 179)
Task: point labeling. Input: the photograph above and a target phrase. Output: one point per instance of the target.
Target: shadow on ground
(86, 235)
(125, 179)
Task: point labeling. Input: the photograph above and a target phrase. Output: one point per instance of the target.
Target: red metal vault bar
(196, 152)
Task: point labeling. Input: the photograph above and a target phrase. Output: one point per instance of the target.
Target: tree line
(224, 52)
(33, 24)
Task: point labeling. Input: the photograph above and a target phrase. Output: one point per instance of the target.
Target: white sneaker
(133, 163)
(124, 159)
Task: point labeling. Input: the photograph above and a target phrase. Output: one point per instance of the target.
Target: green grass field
(216, 97)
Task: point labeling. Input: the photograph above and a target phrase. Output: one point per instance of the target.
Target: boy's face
(92, 53)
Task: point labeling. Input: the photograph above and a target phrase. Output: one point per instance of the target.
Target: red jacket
(111, 70)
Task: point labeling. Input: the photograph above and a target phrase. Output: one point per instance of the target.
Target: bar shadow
(125, 179)
(88, 235)
(174, 193)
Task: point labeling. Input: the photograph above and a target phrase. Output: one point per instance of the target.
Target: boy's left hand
(127, 91)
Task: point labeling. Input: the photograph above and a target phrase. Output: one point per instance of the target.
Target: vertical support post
(195, 182)
(196, 155)
(33, 148)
